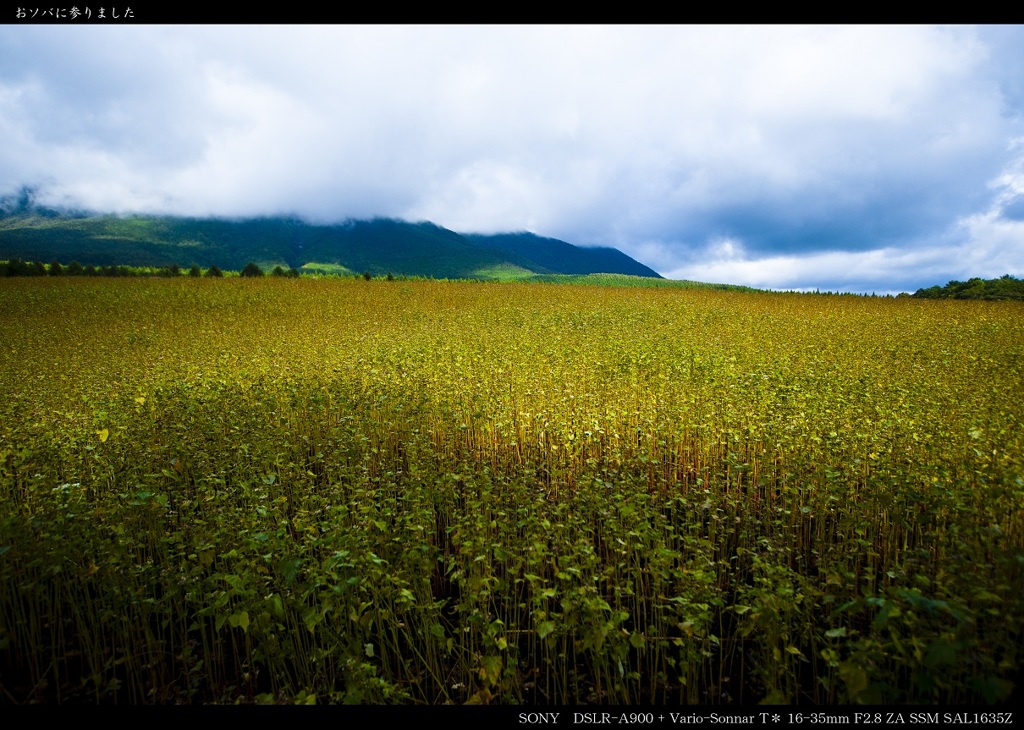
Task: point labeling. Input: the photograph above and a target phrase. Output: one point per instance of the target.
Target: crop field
(342, 491)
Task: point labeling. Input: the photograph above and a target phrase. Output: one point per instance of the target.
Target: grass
(326, 269)
(504, 272)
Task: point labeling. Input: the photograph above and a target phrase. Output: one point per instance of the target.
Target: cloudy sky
(858, 158)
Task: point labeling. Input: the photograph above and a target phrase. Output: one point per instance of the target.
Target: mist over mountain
(32, 232)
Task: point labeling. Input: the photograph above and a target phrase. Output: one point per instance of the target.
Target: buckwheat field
(299, 490)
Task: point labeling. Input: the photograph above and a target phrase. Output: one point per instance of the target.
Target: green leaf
(239, 619)
(855, 678)
(290, 569)
(980, 595)
(992, 689)
(490, 669)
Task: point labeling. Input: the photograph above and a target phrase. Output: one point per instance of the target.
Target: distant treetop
(252, 269)
(1005, 287)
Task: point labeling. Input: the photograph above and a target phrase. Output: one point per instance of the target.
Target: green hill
(564, 258)
(380, 246)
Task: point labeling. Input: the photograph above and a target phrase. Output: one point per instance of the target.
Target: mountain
(564, 258)
(34, 233)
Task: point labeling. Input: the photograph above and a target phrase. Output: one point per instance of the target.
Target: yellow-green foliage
(505, 272)
(326, 269)
(348, 491)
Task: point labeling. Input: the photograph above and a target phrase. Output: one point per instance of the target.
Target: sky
(841, 157)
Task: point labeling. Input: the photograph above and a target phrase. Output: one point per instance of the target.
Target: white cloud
(811, 148)
(845, 271)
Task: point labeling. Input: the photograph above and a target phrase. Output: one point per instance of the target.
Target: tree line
(1005, 287)
(18, 267)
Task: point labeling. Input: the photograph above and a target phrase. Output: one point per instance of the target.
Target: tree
(214, 271)
(75, 269)
(56, 269)
(15, 267)
(366, 275)
(251, 269)
(278, 271)
(195, 271)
